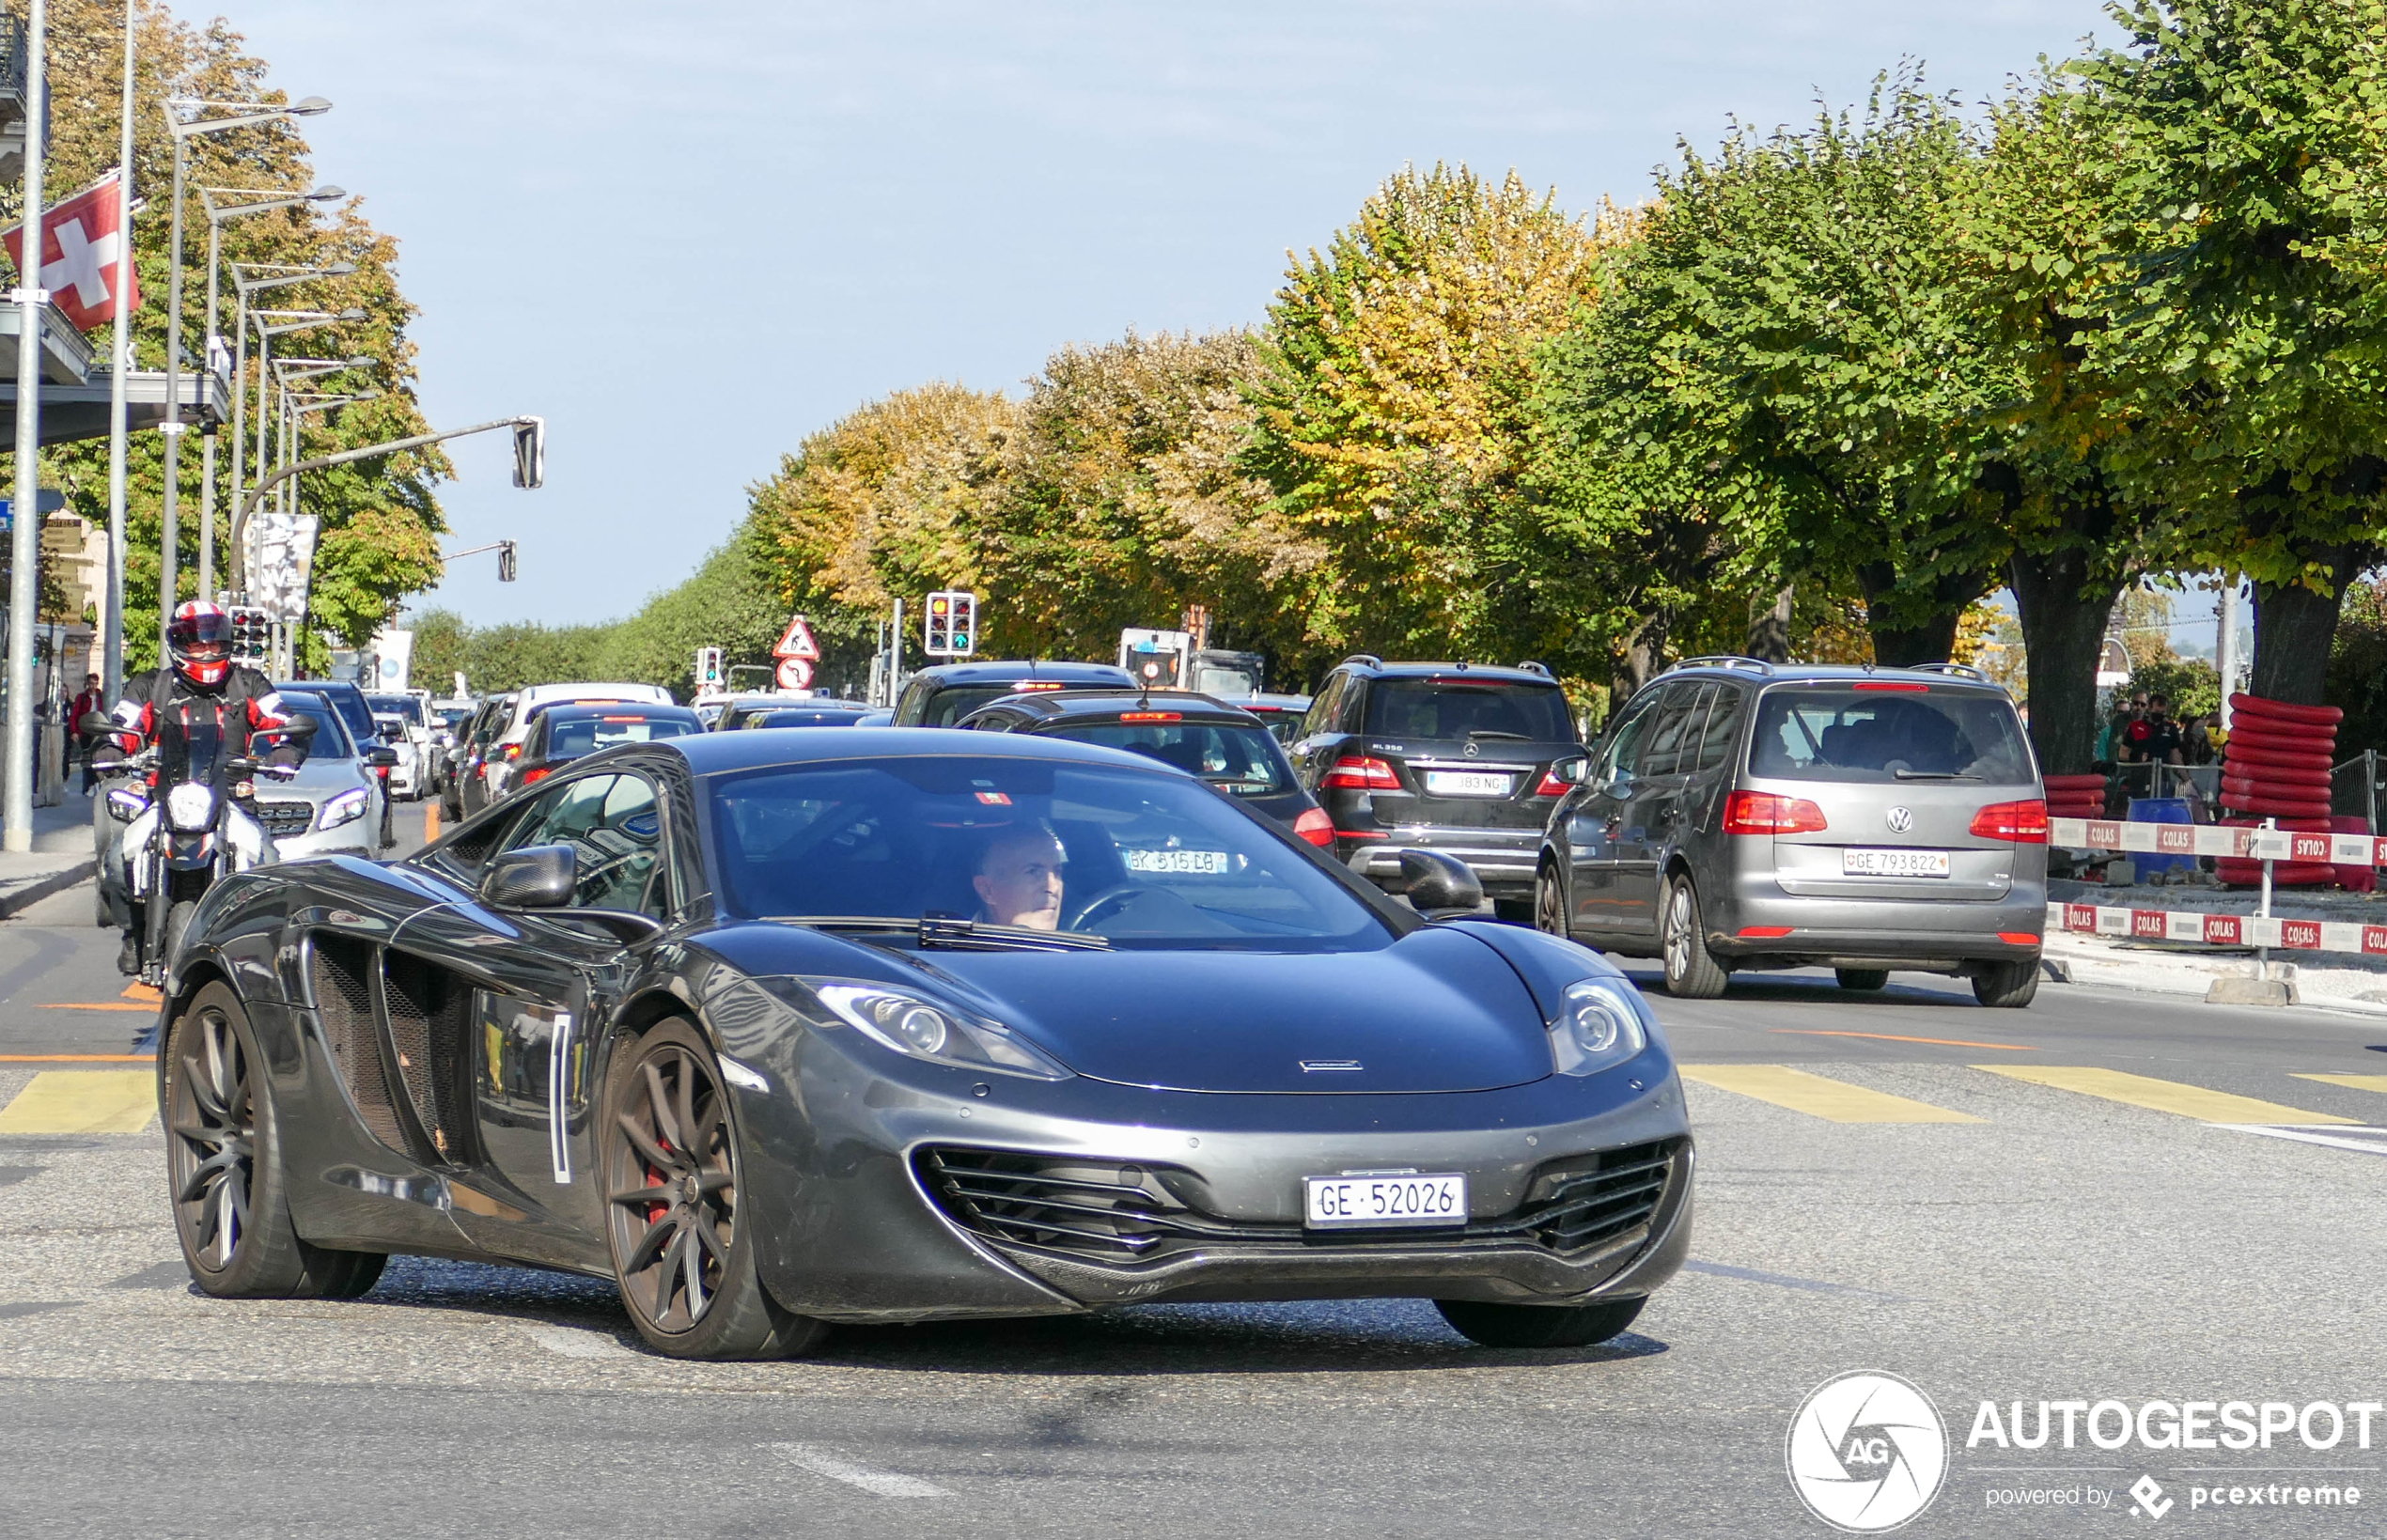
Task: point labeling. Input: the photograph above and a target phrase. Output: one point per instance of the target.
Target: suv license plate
(1894, 864)
(1466, 784)
(1354, 1202)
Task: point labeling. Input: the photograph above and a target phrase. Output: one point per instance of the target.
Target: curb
(33, 891)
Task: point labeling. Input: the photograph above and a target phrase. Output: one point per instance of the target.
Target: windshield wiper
(1495, 732)
(1933, 775)
(967, 935)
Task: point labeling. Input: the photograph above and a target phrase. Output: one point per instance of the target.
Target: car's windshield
(1238, 760)
(801, 716)
(331, 740)
(408, 708)
(1138, 857)
(1888, 731)
(1451, 708)
(453, 717)
(587, 735)
(951, 703)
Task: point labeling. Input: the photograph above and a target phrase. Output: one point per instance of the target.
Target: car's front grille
(284, 819)
(1114, 1212)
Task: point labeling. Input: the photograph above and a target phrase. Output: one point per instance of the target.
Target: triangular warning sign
(798, 643)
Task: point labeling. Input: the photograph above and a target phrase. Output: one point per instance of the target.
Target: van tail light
(1551, 785)
(2023, 823)
(534, 774)
(1763, 813)
(1354, 772)
(513, 750)
(1315, 827)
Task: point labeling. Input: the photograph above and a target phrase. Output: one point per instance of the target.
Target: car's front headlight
(1600, 1025)
(347, 807)
(918, 1027)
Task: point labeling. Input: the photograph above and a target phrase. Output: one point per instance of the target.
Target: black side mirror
(300, 728)
(1572, 769)
(534, 877)
(1438, 886)
(96, 722)
(380, 758)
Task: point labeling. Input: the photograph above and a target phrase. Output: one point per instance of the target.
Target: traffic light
(707, 671)
(951, 623)
(530, 452)
(252, 635)
(506, 560)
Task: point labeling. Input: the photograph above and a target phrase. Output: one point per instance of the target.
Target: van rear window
(1843, 734)
(1450, 709)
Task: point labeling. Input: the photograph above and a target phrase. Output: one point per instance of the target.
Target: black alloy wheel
(2009, 985)
(223, 1163)
(1539, 1326)
(683, 1253)
(1550, 902)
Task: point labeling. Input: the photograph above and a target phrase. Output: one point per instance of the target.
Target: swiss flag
(80, 240)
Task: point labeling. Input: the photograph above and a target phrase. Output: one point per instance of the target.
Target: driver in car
(1019, 877)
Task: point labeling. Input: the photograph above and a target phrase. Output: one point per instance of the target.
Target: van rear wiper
(942, 931)
(1495, 732)
(1933, 775)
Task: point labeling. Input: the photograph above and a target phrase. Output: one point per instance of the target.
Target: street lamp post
(245, 114)
(287, 321)
(24, 536)
(244, 287)
(120, 363)
(262, 200)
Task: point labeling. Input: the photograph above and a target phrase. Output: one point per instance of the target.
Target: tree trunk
(2294, 628)
(1770, 628)
(1896, 646)
(1636, 663)
(2062, 614)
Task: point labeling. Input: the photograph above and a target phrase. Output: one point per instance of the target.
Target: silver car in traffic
(1743, 815)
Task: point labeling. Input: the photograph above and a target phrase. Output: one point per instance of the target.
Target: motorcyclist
(199, 683)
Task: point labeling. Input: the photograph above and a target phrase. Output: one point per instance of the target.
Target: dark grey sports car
(780, 1029)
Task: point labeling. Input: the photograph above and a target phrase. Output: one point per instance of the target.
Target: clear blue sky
(691, 234)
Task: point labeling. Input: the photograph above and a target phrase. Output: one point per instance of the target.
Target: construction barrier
(2193, 926)
(2205, 839)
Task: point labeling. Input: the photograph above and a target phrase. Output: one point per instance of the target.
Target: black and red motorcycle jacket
(244, 706)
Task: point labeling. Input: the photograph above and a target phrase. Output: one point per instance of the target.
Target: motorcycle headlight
(190, 808)
(347, 807)
(918, 1027)
(1599, 1026)
(125, 805)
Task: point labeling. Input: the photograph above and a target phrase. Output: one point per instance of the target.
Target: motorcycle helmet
(199, 640)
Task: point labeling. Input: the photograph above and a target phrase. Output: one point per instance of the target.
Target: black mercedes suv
(1440, 757)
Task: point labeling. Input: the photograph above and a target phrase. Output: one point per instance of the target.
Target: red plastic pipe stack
(2075, 796)
(2277, 765)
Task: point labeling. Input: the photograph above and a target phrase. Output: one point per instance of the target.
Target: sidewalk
(63, 854)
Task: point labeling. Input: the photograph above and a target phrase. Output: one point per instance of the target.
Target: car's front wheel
(223, 1163)
(1539, 1326)
(2006, 984)
(683, 1244)
(1691, 971)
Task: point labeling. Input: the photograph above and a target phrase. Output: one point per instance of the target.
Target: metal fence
(2356, 787)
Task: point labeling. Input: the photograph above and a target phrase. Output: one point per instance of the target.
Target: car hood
(1437, 1010)
(316, 779)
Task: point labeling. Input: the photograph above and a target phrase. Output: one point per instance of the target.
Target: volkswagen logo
(1901, 819)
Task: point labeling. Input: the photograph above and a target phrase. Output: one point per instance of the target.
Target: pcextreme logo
(1867, 1452)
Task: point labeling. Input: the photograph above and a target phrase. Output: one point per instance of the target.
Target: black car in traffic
(569, 729)
(1453, 757)
(1227, 747)
(943, 696)
(792, 713)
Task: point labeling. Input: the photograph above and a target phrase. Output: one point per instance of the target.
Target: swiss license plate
(1466, 784)
(1893, 863)
(1177, 862)
(1364, 1201)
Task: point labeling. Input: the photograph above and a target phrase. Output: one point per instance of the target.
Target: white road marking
(576, 1345)
(878, 1483)
(2368, 1140)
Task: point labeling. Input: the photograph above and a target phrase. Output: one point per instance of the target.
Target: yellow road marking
(2358, 1082)
(84, 1101)
(101, 1005)
(2161, 1096)
(1835, 1101)
(142, 991)
(78, 1058)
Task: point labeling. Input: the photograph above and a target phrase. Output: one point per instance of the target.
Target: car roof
(1002, 670)
(566, 710)
(584, 691)
(713, 754)
(1268, 701)
(1490, 673)
(1095, 705)
(1752, 670)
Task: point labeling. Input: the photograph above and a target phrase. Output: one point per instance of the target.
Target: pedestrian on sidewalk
(90, 701)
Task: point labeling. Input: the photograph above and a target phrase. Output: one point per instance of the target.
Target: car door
(1312, 752)
(1649, 803)
(1595, 817)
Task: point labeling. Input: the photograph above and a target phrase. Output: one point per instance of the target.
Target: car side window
(1351, 704)
(1722, 729)
(1678, 718)
(1321, 710)
(1623, 739)
(615, 828)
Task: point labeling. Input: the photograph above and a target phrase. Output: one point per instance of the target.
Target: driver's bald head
(1019, 876)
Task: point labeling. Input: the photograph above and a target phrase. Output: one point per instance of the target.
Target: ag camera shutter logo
(1867, 1452)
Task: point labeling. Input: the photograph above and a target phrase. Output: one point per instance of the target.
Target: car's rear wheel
(1863, 980)
(684, 1246)
(1691, 971)
(1539, 1326)
(1550, 902)
(2006, 984)
(223, 1163)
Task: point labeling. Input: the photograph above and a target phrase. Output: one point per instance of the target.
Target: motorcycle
(190, 820)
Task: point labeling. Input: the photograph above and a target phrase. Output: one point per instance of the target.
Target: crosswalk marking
(1834, 1101)
(2356, 1082)
(84, 1101)
(2155, 1096)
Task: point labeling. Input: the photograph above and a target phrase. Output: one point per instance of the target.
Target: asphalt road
(2057, 1244)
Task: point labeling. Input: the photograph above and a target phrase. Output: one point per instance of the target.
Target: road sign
(798, 643)
(794, 674)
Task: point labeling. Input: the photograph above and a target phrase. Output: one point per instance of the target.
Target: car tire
(1550, 902)
(1862, 980)
(2007, 985)
(225, 1182)
(689, 1295)
(1691, 971)
(1539, 1326)
(1513, 911)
